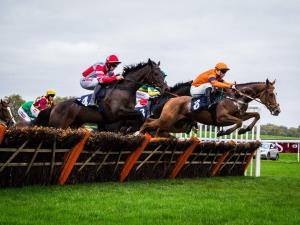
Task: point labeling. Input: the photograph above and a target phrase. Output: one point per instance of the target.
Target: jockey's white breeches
(89, 83)
(23, 115)
(200, 90)
(142, 95)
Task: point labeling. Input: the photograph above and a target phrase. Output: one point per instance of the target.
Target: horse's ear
(158, 63)
(267, 82)
(273, 82)
(150, 63)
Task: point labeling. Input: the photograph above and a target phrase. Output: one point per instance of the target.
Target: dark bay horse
(179, 89)
(229, 111)
(118, 103)
(132, 125)
(5, 113)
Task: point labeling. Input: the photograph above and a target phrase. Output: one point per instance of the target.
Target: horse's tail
(43, 118)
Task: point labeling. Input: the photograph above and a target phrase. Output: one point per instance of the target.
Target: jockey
(30, 110)
(213, 78)
(25, 112)
(43, 102)
(146, 94)
(100, 73)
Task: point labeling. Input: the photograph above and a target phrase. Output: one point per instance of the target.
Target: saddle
(202, 102)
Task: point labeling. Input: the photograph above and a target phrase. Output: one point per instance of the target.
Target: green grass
(273, 198)
(272, 137)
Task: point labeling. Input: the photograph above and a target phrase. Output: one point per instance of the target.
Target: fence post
(183, 157)
(2, 132)
(257, 158)
(72, 158)
(133, 157)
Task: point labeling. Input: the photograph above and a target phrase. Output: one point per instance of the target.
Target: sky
(48, 44)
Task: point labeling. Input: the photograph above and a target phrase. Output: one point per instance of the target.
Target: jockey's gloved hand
(119, 77)
(233, 87)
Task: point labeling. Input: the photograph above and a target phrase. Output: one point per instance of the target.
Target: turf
(274, 198)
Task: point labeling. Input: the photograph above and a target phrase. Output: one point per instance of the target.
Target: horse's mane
(133, 67)
(180, 85)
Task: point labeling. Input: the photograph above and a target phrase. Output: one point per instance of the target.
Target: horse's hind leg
(247, 116)
(226, 118)
(150, 124)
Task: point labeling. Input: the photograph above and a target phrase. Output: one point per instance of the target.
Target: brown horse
(5, 113)
(229, 111)
(118, 103)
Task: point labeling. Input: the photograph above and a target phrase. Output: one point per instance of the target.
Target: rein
(248, 96)
(170, 93)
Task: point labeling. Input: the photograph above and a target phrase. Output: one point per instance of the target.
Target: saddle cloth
(85, 99)
(144, 110)
(199, 103)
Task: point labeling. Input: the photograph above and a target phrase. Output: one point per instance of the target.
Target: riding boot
(208, 94)
(93, 101)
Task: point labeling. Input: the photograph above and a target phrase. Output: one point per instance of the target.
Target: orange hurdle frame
(184, 157)
(133, 157)
(72, 158)
(2, 132)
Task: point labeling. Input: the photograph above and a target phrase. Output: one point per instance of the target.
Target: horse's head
(5, 113)
(145, 73)
(155, 75)
(268, 98)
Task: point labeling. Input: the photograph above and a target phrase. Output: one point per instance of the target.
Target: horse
(129, 126)
(179, 89)
(231, 110)
(5, 113)
(118, 102)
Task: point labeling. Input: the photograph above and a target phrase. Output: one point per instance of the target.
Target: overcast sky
(47, 44)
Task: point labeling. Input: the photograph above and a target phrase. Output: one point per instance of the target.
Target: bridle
(140, 83)
(270, 106)
(11, 120)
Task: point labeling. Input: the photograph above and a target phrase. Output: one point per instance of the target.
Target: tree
(15, 101)
(59, 99)
(271, 129)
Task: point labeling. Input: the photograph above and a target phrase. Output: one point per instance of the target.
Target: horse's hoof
(137, 133)
(195, 130)
(242, 131)
(220, 134)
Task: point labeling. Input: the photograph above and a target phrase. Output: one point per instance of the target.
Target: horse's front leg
(149, 124)
(225, 119)
(247, 116)
(130, 114)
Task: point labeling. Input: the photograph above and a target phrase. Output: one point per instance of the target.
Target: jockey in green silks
(145, 96)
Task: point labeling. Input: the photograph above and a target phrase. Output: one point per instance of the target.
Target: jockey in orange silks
(206, 81)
